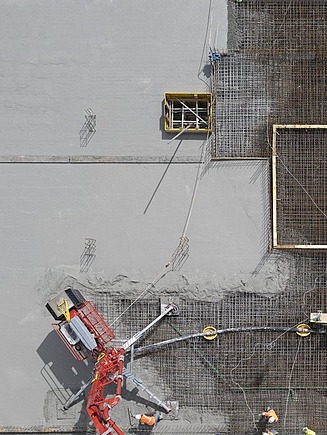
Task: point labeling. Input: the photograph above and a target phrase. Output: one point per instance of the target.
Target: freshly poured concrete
(48, 211)
(57, 59)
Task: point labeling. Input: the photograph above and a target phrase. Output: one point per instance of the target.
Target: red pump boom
(108, 370)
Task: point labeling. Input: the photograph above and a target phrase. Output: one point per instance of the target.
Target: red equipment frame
(108, 370)
(108, 367)
(109, 361)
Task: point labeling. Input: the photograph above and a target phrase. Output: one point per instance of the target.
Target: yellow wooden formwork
(188, 111)
(274, 160)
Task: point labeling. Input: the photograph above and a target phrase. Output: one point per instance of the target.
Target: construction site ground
(132, 216)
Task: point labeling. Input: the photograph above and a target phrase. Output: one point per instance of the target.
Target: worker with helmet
(148, 419)
(308, 431)
(270, 415)
(270, 432)
(267, 417)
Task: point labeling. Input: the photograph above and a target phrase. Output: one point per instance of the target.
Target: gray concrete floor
(49, 210)
(57, 59)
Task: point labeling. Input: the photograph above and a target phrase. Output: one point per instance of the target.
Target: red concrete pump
(85, 332)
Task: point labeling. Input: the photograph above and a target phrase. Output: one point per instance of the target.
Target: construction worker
(308, 431)
(148, 420)
(267, 417)
(270, 415)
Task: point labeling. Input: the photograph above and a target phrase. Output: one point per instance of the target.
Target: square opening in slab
(299, 175)
(188, 111)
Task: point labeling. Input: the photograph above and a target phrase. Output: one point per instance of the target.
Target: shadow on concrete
(88, 255)
(83, 422)
(207, 70)
(88, 129)
(64, 376)
(134, 395)
(61, 371)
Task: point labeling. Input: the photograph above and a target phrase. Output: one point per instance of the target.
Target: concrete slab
(57, 59)
(48, 213)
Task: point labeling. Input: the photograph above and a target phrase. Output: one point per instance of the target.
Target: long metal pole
(139, 334)
(192, 111)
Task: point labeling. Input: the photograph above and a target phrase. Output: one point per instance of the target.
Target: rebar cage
(273, 73)
(299, 177)
(239, 373)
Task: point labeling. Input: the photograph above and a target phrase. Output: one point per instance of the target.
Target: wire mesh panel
(240, 115)
(273, 73)
(299, 180)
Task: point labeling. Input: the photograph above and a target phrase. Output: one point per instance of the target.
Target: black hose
(155, 346)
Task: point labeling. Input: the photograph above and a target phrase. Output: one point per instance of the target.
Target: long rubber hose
(155, 346)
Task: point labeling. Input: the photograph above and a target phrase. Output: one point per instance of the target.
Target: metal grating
(237, 375)
(299, 180)
(273, 73)
(241, 107)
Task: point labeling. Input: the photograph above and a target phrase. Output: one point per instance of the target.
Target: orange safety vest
(148, 420)
(270, 413)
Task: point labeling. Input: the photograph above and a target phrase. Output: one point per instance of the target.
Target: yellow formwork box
(188, 111)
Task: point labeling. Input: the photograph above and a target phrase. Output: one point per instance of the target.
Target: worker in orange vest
(270, 415)
(148, 420)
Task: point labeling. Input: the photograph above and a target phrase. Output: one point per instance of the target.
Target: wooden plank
(293, 246)
(299, 126)
(274, 188)
(276, 245)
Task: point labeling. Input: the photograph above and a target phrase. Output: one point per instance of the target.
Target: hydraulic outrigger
(85, 333)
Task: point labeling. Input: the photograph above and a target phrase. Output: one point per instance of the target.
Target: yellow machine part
(210, 336)
(63, 308)
(304, 333)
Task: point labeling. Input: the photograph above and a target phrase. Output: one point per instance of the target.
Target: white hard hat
(137, 416)
(271, 419)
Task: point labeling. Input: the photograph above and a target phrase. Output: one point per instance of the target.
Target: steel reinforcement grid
(272, 73)
(299, 184)
(239, 373)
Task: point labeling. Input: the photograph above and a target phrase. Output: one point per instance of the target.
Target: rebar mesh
(301, 176)
(273, 73)
(239, 373)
